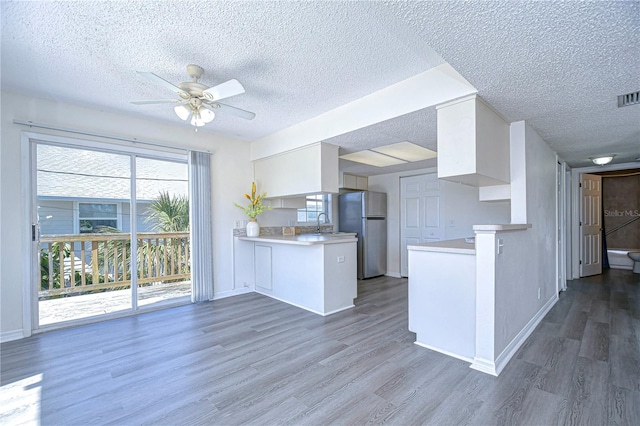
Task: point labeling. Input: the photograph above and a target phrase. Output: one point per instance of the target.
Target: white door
(590, 225)
(420, 214)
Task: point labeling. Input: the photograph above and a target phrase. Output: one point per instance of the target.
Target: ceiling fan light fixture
(207, 115)
(195, 95)
(183, 112)
(602, 160)
(196, 120)
(202, 116)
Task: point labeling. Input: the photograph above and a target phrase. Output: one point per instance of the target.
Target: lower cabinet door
(262, 266)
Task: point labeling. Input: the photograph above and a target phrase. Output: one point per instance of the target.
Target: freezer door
(374, 204)
(351, 212)
(374, 247)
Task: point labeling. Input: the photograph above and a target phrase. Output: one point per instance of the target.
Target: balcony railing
(78, 263)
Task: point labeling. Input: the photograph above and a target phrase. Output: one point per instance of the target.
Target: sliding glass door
(163, 245)
(88, 205)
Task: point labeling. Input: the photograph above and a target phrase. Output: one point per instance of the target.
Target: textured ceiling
(558, 65)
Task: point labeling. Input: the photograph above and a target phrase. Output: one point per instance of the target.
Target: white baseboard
(495, 367)
(484, 366)
(393, 275)
(7, 336)
(234, 292)
(451, 354)
(324, 314)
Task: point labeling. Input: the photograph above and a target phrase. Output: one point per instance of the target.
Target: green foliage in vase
(255, 206)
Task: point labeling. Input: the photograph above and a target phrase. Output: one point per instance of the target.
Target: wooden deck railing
(87, 262)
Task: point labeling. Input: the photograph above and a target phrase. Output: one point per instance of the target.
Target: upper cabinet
(286, 203)
(306, 170)
(350, 181)
(473, 143)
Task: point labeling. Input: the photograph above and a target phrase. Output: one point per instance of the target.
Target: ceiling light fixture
(202, 116)
(372, 158)
(183, 112)
(199, 114)
(391, 155)
(406, 151)
(601, 161)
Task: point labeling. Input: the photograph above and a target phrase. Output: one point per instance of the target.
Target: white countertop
(502, 228)
(305, 239)
(447, 246)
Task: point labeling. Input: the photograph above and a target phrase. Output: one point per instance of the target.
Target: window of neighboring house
(93, 216)
(315, 204)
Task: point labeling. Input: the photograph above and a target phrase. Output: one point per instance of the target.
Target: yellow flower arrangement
(255, 207)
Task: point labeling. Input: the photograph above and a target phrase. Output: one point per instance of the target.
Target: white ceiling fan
(197, 101)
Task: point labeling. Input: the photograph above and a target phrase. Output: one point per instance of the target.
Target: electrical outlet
(238, 224)
(500, 245)
(340, 259)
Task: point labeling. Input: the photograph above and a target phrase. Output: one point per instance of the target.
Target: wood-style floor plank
(253, 360)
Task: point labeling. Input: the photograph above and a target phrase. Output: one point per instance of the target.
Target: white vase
(253, 229)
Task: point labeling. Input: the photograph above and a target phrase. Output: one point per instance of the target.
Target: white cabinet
(350, 181)
(495, 193)
(307, 170)
(362, 182)
(473, 143)
(442, 301)
(262, 266)
(286, 203)
(320, 278)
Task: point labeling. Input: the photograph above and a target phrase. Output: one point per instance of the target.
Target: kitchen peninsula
(442, 296)
(461, 291)
(310, 271)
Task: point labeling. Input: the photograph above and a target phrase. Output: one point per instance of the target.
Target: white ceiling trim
(434, 86)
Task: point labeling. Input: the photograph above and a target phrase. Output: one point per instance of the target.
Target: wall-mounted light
(601, 161)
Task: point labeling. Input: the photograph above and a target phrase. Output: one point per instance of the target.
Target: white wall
(232, 175)
(461, 206)
(531, 255)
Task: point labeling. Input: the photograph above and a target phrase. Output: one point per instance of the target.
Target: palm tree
(169, 213)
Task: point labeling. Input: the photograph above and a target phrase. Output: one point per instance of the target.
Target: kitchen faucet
(318, 227)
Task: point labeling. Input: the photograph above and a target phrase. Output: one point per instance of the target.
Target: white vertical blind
(201, 228)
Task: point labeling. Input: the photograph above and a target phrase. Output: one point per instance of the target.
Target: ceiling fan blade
(227, 109)
(162, 82)
(224, 90)
(159, 101)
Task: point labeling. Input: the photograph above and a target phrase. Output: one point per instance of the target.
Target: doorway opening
(623, 208)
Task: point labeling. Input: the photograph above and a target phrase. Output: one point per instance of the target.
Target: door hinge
(580, 185)
(580, 223)
(581, 262)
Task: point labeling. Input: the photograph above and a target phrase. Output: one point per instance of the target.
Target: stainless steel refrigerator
(366, 214)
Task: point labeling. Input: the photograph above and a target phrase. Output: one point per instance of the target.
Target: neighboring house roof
(78, 173)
